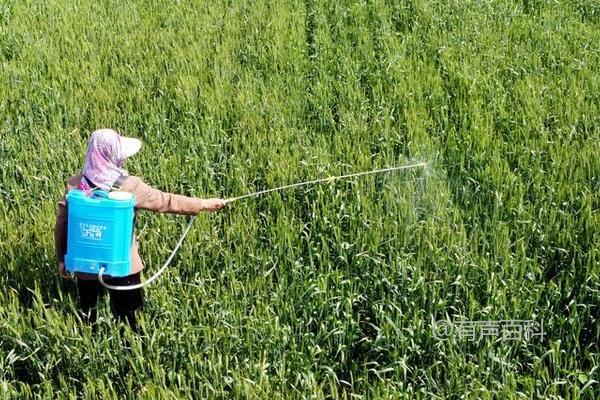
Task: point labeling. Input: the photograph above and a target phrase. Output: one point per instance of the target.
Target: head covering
(106, 152)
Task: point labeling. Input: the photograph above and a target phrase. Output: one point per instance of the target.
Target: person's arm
(60, 237)
(149, 198)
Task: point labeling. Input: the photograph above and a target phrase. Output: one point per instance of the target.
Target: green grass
(329, 291)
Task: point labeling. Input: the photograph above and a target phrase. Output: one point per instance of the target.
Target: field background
(331, 291)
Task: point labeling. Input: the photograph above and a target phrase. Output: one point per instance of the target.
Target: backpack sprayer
(100, 229)
(99, 232)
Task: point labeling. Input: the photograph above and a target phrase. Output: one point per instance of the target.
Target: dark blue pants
(123, 303)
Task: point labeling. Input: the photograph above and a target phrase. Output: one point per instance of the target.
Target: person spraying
(106, 153)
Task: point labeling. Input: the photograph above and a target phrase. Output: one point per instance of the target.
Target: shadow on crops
(32, 275)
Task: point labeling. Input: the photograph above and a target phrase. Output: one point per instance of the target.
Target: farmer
(107, 150)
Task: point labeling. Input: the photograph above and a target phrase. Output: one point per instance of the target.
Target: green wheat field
(330, 291)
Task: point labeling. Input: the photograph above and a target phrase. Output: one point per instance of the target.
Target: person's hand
(62, 271)
(214, 204)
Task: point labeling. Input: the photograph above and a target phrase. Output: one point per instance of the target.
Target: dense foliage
(333, 290)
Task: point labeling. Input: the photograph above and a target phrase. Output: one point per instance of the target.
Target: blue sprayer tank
(99, 232)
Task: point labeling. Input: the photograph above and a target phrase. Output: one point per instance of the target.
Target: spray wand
(245, 196)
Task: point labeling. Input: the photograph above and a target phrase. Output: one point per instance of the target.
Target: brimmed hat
(130, 146)
(106, 152)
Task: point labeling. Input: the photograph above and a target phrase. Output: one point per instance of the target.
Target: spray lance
(246, 196)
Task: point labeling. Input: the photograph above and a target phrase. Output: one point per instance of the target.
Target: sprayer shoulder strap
(119, 182)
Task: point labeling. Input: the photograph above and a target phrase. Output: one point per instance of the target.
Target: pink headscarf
(103, 161)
